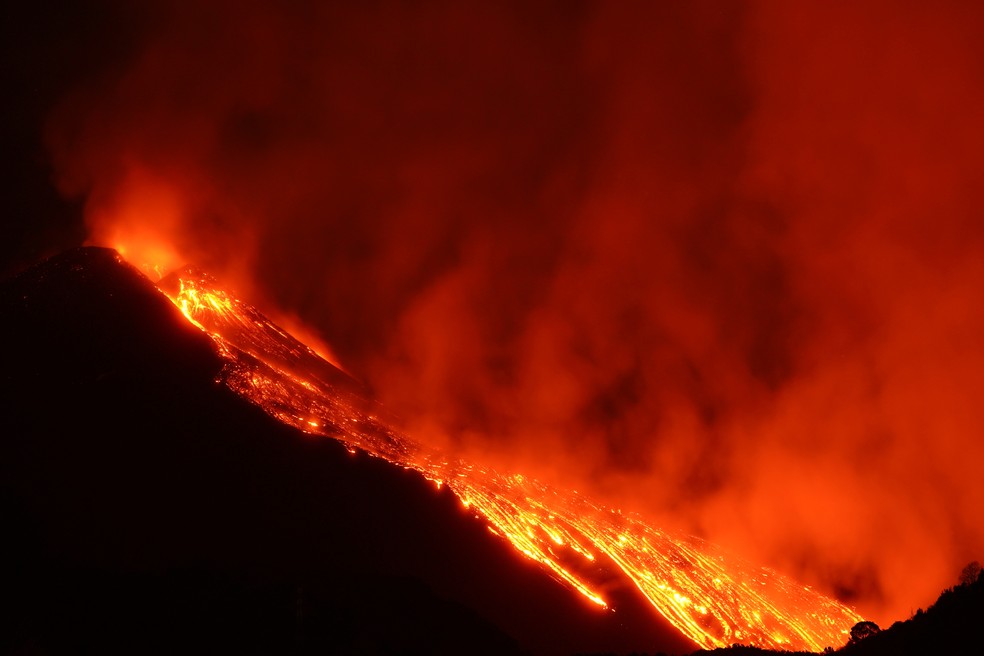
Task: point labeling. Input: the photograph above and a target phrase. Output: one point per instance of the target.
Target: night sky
(721, 263)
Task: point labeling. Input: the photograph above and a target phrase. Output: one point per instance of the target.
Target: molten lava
(712, 598)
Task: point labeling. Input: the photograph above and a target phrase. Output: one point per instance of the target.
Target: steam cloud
(719, 263)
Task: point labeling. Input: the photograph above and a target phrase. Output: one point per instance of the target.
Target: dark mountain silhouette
(147, 509)
(953, 626)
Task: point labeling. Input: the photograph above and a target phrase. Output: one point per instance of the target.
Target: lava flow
(712, 598)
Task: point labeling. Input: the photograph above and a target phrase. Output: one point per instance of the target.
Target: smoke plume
(717, 263)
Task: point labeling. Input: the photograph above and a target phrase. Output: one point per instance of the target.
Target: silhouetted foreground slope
(954, 625)
(147, 509)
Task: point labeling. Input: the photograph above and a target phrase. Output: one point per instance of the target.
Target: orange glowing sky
(718, 262)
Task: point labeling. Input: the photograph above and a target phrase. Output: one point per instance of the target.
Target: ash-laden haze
(718, 263)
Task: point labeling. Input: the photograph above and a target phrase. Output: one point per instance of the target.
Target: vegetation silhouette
(952, 626)
(970, 573)
(863, 630)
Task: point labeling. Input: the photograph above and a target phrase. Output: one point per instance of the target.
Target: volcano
(179, 473)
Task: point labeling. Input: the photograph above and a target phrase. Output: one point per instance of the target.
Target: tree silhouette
(863, 630)
(970, 573)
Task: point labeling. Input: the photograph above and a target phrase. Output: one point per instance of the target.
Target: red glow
(141, 223)
(716, 261)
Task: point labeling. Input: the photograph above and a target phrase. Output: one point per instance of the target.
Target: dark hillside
(147, 509)
(954, 625)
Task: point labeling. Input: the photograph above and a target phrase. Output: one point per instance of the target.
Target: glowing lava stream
(714, 599)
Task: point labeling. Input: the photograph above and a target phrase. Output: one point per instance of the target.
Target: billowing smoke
(718, 263)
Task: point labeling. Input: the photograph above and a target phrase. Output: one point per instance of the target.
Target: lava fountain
(713, 598)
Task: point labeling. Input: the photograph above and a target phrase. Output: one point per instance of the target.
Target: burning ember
(712, 598)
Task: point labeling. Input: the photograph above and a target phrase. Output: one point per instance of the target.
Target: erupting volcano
(713, 598)
(714, 266)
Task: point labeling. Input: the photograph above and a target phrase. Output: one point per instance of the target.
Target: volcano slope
(148, 509)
